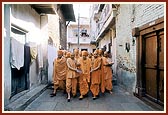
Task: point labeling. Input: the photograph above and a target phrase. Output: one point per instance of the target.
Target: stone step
(23, 101)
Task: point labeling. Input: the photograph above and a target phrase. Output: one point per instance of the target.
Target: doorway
(20, 78)
(153, 64)
(150, 61)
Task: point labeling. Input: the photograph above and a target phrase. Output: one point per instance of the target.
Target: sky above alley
(82, 9)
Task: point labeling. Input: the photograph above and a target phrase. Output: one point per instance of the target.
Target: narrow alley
(114, 52)
(120, 100)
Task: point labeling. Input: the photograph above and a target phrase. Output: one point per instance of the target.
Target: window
(84, 33)
(94, 50)
(18, 34)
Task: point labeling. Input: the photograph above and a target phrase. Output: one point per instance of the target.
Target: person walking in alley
(107, 73)
(76, 52)
(100, 55)
(59, 72)
(90, 56)
(68, 55)
(84, 78)
(80, 53)
(71, 78)
(95, 75)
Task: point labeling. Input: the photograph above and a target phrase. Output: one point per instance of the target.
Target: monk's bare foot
(81, 97)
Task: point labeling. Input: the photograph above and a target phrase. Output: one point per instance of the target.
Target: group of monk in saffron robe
(83, 71)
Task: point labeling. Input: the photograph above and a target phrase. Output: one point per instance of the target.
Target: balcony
(106, 20)
(98, 12)
(82, 40)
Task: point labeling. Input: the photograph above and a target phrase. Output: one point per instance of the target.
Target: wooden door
(150, 64)
(154, 65)
(161, 66)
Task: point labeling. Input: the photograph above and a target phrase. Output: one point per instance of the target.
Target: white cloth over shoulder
(17, 54)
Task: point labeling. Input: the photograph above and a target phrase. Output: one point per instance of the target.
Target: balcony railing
(82, 40)
(105, 19)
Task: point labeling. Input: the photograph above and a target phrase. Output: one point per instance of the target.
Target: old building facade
(123, 30)
(27, 40)
(103, 28)
(57, 27)
(84, 35)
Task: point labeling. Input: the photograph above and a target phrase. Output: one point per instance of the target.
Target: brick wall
(145, 13)
(128, 17)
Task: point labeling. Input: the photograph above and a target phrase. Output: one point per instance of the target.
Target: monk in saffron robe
(71, 78)
(107, 63)
(64, 53)
(76, 52)
(84, 78)
(90, 56)
(95, 75)
(80, 53)
(68, 55)
(100, 55)
(59, 72)
(100, 52)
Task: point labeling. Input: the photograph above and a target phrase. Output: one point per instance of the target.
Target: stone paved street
(120, 100)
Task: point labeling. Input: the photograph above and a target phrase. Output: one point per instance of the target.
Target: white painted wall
(52, 54)
(26, 18)
(45, 36)
(105, 41)
(113, 53)
(53, 24)
(6, 70)
(125, 59)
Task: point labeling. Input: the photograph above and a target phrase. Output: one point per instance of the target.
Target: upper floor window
(84, 33)
(18, 34)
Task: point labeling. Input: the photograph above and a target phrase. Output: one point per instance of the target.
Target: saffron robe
(95, 76)
(107, 72)
(84, 77)
(59, 73)
(71, 79)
